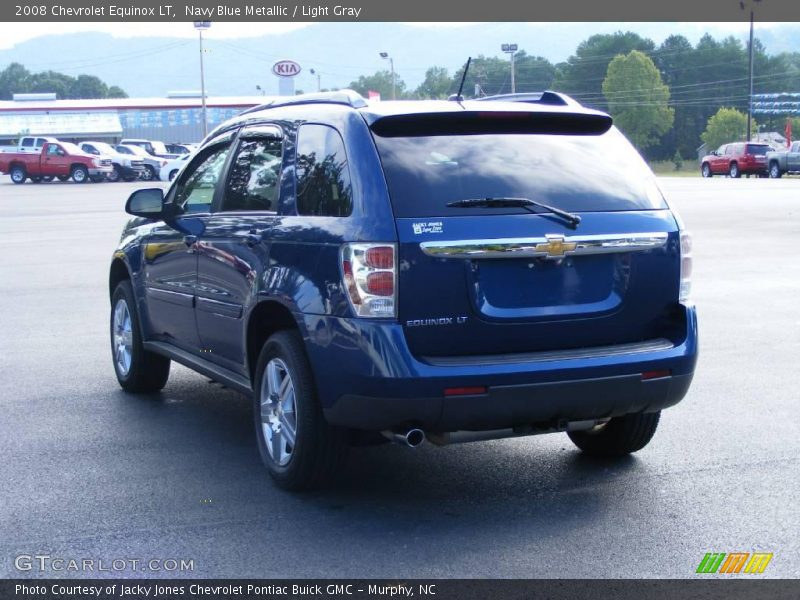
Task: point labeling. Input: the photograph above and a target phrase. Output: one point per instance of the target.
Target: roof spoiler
(546, 97)
(474, 122)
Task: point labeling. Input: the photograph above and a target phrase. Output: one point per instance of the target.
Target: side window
(253, 183)
(721, 150)
(26, 141)
(39, 143)
(195, 191)
(52, 150)
(729, 149)
(323, 177)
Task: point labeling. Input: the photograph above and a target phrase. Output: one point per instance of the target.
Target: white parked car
(126, 166)
(172, 167)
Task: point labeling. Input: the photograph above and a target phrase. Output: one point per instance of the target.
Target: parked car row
(44, 159)
(750, 158)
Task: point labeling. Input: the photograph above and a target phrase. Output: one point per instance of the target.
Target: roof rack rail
(345, 97)
(545, 97)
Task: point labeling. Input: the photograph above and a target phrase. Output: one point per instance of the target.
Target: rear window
(571, 172)
(757, 149)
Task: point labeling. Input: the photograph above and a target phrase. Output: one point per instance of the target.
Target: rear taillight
(369, 273)
(686, 267)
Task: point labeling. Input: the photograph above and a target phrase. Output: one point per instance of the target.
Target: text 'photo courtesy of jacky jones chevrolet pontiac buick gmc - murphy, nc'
(435, 271)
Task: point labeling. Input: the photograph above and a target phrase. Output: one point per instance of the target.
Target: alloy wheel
(278, 412)
(123, 337)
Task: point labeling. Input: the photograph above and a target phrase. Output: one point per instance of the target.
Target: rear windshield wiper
(512, 202)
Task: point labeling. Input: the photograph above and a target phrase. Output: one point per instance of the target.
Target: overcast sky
(14, 33)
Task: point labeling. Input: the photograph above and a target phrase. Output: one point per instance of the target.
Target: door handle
(190, 240)
(252, 239)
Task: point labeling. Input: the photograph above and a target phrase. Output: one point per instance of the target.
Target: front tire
(115, 175)
(618, 437)
(706, 170)
(734, 171)
(149, 173)
(137, 370)
(18, 174)
(299, 448)
(774, 171)
(80, 174)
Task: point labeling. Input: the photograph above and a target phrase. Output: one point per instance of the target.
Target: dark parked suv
(444, 271)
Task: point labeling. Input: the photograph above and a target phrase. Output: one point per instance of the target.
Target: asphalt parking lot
(90, 472)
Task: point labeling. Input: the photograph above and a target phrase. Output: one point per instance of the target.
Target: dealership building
(176, 118)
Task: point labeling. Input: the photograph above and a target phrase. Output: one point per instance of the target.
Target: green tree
(726, 125)
(437, 84)
(380, 82)
(637, 98)
(583, 73)
(16, 79)
(116, 92)
(88, 86)
(13, 79)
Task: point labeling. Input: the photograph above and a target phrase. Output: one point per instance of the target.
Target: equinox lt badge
(439, 321)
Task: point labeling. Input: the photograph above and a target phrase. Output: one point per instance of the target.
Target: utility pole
(751, 4)
(511, 50)
(200, 26)
(750, 97)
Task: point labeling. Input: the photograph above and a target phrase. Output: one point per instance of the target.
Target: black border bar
(705, 587)
(400, 10)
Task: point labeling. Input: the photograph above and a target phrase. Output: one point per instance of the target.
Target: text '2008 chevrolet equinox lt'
(447, 271)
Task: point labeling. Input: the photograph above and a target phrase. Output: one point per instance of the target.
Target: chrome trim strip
(551, 246)
(655, 345)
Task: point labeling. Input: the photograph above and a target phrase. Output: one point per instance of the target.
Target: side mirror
(149, 203)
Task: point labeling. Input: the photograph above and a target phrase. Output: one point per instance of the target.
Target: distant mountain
(340, 52)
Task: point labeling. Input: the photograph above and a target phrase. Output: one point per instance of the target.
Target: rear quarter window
(323, 175)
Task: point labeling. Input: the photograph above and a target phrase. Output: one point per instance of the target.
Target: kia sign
(286, 68)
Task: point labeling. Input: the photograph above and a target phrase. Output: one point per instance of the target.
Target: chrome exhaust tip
(412, 438)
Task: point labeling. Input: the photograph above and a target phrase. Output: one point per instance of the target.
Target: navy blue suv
(447, 271)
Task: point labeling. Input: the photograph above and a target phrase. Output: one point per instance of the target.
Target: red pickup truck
(57, 159)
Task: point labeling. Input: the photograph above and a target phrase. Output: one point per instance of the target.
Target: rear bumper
(505, 406)
(368, 379)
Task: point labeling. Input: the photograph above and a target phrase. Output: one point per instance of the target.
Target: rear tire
(705, 170)
(618, 437)
(80, 174)
(285, 396)
(18, 174)
(733, 171)
(137, 370)
(774, 171)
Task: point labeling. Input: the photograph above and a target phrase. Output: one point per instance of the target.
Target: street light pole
(511, 50)
(200, 26)
(385, 55)
(319, 75)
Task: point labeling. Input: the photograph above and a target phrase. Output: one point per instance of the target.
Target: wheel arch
(265, 319)
(118, 272)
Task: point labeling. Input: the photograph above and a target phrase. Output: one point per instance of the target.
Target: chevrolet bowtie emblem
(555, 246)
